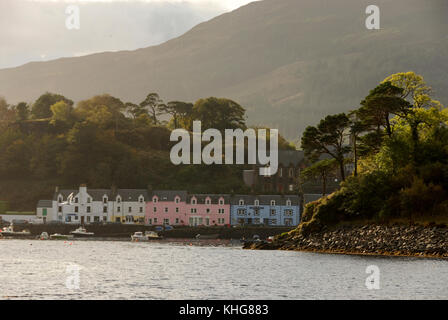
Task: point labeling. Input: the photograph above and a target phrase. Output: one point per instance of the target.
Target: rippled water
(32, 269)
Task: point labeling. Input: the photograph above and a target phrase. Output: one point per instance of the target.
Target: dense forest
(103, 141)
(397, 141)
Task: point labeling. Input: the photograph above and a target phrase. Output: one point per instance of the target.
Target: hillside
(289, 62)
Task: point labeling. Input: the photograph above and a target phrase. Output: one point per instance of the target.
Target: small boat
(82, 232)
(44, 236)
(148, 235)
(58, 236)
(9, 232)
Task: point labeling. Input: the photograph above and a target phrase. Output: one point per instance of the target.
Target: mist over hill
(289, 62)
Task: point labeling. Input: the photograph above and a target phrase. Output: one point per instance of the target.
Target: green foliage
(42, 107)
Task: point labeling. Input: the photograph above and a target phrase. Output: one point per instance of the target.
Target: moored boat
(44, 236)
(58, 236)
(148, 235)
(10, 233)
(81, 232)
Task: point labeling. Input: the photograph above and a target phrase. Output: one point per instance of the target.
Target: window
(166, 209)
(273, 221)
(88, 209)
(177, 220)
(273, 212)
(207, 201)
(140, 200)
(257, 203)
(256, 211)
(221, 202)
(193, 210)
(154, 200)
(88, 218)
(288, 222)
(154, 209)
(177, 209)
(272, 202)
(155, 220)
(241, 203)
(291, 172)
(96, 219)
(256, 220)
(193, 201)
(118, 209)
(149, 221)
(129, 209)
(59, 199)
(291, 187)
(129, 219)
(288, 203)
(104, 209)
(104, 218)
(76, 217)
(141, 220)
(76, 200)
(241, 212)
(76, 209)
(59, 209)
(105, 200)
(118, 199)
(288, 212)
(118, 219)
(176, 200)
(89, 200)
(141, 209)
(220, 210)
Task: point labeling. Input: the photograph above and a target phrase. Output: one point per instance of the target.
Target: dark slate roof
(129, 194)
(213, 197)
(45, 204)
(310, 197)
(98, 194)
(265, 199)
(169, 195)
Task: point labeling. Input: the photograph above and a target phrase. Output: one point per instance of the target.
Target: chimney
(83, 188)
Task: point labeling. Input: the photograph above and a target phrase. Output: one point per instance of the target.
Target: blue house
(272, 210)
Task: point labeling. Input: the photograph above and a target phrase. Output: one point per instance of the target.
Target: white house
(99, 205)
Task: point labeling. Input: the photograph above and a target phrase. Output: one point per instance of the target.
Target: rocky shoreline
(395, 240)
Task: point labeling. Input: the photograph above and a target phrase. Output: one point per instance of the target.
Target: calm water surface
(32, 269)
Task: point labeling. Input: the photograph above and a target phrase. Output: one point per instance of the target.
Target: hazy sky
(35, 30)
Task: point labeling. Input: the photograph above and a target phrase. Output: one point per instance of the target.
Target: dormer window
(118, 199)
(140, 199)
(257, 203)
(193, 201)
(154, 200)
(241, 203)
(89, 200)
(207, 201)
(105, 200)
(176, 200)
(76, 200)
(272, 202)
(288, 203)
(60, 199)
(221, 202)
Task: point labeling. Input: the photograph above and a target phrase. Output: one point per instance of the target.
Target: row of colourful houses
(167, 207)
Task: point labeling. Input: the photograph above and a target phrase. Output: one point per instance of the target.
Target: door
(82, 220)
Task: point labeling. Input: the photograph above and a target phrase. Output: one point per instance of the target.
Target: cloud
(35, 30)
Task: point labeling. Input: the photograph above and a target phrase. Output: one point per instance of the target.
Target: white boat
(148, 235)
(82, 232)
(44, 236)
(9, 232)
(58, 236)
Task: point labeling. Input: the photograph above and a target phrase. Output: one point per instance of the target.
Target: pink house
(208, 209)
(167, 208)
(178, 208)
